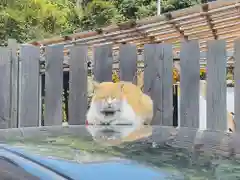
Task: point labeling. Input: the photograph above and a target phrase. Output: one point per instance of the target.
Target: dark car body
(53, 157)
(54, 168)
(55, 153)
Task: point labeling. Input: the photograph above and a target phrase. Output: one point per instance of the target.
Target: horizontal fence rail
(20, 93)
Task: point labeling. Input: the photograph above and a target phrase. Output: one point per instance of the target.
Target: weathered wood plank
(53, 85)
(78, 97)
(5, 80)
(158, 62)
(128, 63)
(13, 45)
(189, 84)
(216, 85)
(103, 60)
(237, 84)
(29, 95)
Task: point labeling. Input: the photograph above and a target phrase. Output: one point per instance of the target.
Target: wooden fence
(20, 95)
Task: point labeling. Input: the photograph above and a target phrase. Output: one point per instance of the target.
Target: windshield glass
(183, 151)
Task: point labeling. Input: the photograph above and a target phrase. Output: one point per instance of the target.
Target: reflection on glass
(114, 135)
(75, 143)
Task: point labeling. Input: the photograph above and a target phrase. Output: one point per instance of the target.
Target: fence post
(128, 63)
(29, 86)
(14, 86)
(78, 84)
(53, 85)
(216, 85)
(103, 60)
(189, 84)
(5, 80)
(237, 84)
(158, 80)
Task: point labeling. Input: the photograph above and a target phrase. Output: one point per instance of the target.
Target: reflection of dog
(118, 110)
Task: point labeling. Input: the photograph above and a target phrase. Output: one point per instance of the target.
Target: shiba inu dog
(119, 111)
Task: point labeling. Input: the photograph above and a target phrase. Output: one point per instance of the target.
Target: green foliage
(27, 20)
(99, 13)
(171, 5)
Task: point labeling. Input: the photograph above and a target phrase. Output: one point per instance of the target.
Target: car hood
(91, 167)
(71, 153)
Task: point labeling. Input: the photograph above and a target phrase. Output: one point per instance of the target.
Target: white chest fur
(125, 116)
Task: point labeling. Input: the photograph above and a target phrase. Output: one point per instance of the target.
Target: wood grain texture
(237, 84)
(216, 85)
(103, 60)
(189, 84)
(13, 45)
(53, 85)
(78, 100)
(5, 80)
(128, 63)
(29, 95)
(158, 62)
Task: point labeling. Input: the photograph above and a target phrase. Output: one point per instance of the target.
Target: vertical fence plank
(237, 84)
(103, 60)
(216, 85)
(13, 45)
(5, 58)
(29, 95)
(54, 85)
(78, 96)
(128, 63)
(189, 84)
(158, 62)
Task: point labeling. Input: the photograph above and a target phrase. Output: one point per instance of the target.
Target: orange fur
(141, 103)
(139, 133)
(137, 108)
